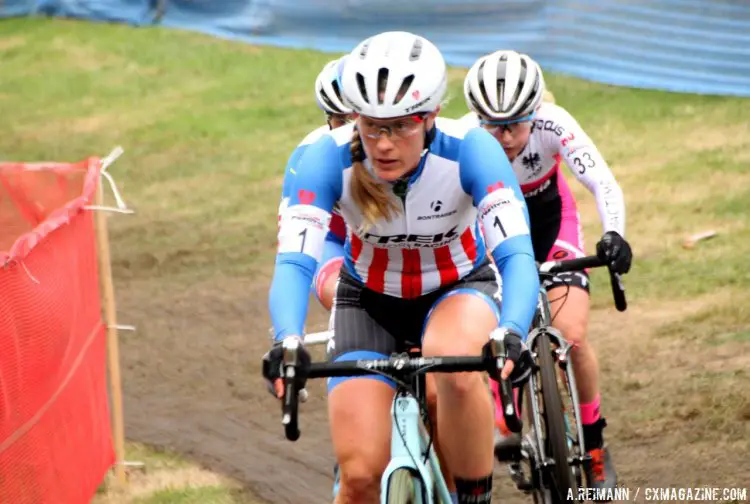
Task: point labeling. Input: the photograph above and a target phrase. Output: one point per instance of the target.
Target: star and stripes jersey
(557, 136)
(463, 178)
(337, 227)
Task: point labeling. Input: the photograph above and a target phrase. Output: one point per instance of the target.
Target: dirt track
(192, 383)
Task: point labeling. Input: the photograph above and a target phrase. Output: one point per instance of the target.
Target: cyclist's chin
(389, 171)
(511, 152)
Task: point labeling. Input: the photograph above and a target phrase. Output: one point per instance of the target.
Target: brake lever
(510, 415)
(290, 347)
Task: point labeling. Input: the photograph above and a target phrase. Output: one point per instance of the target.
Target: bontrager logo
(436, 206)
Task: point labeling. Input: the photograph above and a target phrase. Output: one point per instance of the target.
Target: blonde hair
(548, 96)
(374, 199)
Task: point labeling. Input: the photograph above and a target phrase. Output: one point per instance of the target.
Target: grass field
(207, 125)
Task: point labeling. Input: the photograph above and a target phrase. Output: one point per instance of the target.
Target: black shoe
(601, 472)
(507, 448)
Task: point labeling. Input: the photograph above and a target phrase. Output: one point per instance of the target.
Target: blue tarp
(698, 46)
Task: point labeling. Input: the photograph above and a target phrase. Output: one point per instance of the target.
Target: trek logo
(412, 240)
(416, 105)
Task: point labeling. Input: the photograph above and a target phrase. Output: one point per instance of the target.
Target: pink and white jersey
(557, 136)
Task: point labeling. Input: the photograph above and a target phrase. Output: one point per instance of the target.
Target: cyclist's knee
(360, 476)
(460, 385)
(573, 330)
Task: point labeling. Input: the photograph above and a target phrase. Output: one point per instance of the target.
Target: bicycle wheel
(556, 441)
(402, 487)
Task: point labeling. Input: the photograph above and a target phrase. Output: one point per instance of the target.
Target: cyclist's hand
(614, 249)
(518, 363)
(273, 368)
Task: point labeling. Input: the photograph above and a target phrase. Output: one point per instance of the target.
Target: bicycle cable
(409, 390)
(564, 297)
(422, 409)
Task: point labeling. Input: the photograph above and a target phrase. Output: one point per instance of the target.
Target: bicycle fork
(533, 445)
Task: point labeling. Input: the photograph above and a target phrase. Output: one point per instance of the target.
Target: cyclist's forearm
(520, 290)
(289, 294)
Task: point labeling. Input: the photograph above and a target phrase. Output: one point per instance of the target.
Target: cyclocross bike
(413, 475)
(553, 447)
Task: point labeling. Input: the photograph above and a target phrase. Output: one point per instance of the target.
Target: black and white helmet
(504, 85)
(327, 91)
(394, 74)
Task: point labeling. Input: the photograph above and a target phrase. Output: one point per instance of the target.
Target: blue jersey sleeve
(290, 170)
(313, 191)
(487, 175)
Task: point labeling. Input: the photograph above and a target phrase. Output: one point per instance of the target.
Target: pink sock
(590, 411)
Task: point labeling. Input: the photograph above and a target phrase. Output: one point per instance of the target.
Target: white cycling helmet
(394, 74)
(504, 85)
(327, 91)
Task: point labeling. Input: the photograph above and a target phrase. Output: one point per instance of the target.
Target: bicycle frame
(409, 442)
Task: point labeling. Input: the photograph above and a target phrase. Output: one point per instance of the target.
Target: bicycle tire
(402, 488)
(557, 440)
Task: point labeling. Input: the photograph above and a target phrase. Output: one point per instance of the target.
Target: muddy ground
(192, 384)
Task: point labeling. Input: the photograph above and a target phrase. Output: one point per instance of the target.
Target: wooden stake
(113, 351)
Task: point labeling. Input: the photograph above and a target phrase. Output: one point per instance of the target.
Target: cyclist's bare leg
(571, 318)
(460, 325)
(360, 422)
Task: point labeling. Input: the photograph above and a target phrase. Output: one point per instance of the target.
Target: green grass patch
(207, 126)
(202, 495)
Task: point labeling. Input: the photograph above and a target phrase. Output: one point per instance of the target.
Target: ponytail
(373, 198)
(548, 96)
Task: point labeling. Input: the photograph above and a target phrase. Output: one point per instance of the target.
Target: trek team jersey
(463, 177)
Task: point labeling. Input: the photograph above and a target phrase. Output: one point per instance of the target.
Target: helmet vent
(416, 50)
(362, 88)
(404, 88)
(382, 83)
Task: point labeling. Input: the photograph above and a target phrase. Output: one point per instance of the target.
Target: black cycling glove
(515, 350)
(614, 249)
(273, 366)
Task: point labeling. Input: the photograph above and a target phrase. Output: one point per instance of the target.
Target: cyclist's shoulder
(314, 136)
(456, 135)
(328, 155)
(550, 113)
(471, 119)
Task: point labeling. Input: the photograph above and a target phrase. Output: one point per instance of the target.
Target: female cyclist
(328, 97)
(504, 91)
(410, 189)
